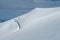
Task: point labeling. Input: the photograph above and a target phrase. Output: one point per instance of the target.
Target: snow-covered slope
(36, 14)
(8, 27)
(38, 24)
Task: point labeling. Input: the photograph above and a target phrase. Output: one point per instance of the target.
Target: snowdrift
(38, 24)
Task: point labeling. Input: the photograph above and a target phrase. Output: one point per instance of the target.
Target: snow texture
(38, 24)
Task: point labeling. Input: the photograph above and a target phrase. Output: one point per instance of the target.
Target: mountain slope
(39, 24)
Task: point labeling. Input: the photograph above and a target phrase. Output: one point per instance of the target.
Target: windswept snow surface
(38, 24)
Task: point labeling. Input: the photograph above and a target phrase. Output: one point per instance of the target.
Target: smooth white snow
(38, 24)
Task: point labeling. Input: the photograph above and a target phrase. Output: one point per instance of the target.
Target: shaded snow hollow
(38, 24)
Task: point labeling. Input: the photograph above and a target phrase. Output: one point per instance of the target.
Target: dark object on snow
(18, 23)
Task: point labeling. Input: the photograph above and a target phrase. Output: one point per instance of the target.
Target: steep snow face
(38, 24)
